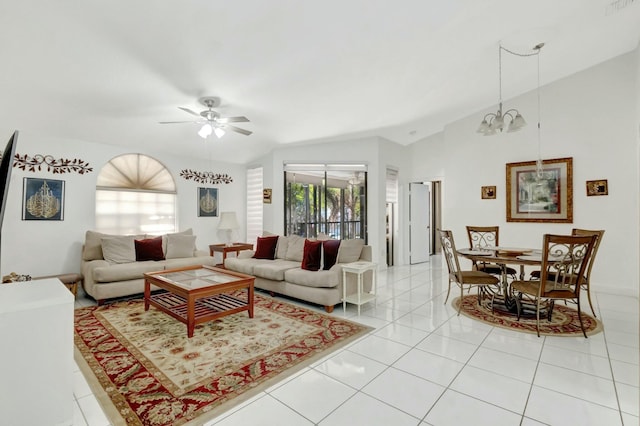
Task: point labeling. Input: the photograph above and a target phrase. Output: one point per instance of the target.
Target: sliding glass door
(325, 200)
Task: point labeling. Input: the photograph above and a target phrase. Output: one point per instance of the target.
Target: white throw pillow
(295, 248)
(350, 250)
(119, 249)
(164, 238)
(180, 246)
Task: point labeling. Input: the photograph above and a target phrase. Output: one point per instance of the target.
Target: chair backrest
(483, 236)
(599, 234)
(450, 254)
(564, 262)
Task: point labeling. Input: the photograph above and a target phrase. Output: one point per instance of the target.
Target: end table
(224, 249)
(360, 298)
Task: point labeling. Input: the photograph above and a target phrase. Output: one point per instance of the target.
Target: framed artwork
(544, 197)
(266, 196)
(597, 187)
(42, 199)
(488, 192)
(208, 202)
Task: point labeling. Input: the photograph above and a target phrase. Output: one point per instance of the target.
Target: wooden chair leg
(448, 291)
(538, 316)
(591, 304)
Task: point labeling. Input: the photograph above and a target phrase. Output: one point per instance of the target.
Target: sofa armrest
(367, 253)
(245, 254)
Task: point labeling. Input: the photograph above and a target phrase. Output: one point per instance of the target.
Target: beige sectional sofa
(285, 275)
(111, 269)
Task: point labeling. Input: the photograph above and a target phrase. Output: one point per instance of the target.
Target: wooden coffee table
(198, 294)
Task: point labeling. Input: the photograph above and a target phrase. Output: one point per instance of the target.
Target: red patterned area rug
(564, 320)
(145, 371)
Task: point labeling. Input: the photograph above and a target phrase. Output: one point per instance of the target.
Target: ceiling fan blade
(236, 129)
(224, 120)
(175, 122)
(189, 111)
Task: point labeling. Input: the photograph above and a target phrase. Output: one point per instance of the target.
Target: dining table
(504, 256)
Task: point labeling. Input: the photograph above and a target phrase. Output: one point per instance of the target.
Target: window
(326, 198)
(135, 194)
(254, 204)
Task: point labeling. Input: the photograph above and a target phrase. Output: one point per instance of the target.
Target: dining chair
(465, 279)
(481, 237)
(586, 283)
(564, 264)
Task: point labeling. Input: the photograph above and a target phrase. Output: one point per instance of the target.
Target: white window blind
(135, 194)
(254, 204)
(392, 186)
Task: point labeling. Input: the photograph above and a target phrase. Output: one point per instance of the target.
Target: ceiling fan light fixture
(219, 132)
(206, 130)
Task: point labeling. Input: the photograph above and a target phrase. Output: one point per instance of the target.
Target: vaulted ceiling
(109, 71)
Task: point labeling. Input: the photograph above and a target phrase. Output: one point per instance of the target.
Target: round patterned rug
(564, 321)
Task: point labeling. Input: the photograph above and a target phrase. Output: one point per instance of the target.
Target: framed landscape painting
(540, 197)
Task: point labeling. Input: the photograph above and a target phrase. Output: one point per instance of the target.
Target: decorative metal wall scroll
(61, 165)
(205, 177)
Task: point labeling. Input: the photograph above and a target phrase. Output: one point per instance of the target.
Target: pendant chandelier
(492, 123)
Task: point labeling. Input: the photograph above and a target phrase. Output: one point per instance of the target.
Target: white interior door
(419, 222)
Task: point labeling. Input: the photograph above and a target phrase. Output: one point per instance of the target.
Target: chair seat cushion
(479, 277)
(531, 288)
(492, 268)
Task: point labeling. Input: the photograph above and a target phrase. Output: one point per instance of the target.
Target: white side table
(360, 298)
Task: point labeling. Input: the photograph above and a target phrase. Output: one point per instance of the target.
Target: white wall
(52, 247)
(590, 116)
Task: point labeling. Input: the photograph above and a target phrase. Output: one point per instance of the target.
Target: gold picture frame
(544, 197)
(597, 187)
(488, 192)
(266, 195)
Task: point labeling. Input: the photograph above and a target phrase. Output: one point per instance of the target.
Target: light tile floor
(424, 365)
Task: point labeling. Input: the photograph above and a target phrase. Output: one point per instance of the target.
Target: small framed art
(597, 187)
(266, 195)
(42, 199)
(488, 192)
(208, 202)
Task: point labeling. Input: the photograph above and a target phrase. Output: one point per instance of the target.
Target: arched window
(135, 194)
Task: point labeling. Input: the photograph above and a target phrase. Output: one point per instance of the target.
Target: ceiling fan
(211, 120)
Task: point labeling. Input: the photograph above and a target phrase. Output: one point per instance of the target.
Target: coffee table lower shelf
(205, 309)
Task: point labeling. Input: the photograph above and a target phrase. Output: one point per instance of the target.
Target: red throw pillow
(311, 255)
(149, 249)
(330, 248)
(266, 247)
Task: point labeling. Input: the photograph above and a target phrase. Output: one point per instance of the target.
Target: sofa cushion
(274, 269)
(182, 262)
(243, 264)
(311, 255)
(119, 249)
(313, 278)
(125, 271)
(179, 246)
(93, 245)
(266, 247)
(283, 245)
(350, 250)
(164, 238)
(295, 248)
(149, 249)
(330, 253)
